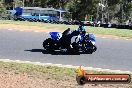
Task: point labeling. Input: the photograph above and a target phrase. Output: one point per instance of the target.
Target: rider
(82, 31)
(82, 28)
(68, 34)
(65, 39)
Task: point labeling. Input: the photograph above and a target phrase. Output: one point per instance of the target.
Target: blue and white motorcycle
(71, 41)
(84, 42)
(53, 43)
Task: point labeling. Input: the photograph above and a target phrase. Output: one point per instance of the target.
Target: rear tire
(48, 44)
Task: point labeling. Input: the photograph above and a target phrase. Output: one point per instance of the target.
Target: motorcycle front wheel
(94, 48)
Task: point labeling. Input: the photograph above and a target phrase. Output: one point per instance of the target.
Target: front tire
(94, 48)
(91, 50)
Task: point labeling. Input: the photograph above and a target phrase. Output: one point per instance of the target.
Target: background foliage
(120, 10)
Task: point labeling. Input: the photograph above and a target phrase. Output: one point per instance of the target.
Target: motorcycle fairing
(91, 39)
(56, 35)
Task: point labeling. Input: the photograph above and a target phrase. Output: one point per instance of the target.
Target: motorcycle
(62, 41)
(86, 43)
(53, 43)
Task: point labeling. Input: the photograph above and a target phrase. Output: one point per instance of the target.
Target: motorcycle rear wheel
(48, 44)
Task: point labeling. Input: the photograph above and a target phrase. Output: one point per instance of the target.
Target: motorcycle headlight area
(93, 42)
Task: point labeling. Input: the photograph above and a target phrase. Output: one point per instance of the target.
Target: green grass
(50, 72)
(53, 70)
(96, 30)
(40, 24)
(112, 31)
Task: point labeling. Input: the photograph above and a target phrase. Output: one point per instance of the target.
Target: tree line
(94, 10)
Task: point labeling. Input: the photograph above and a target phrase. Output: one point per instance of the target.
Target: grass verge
(96, 30)
(38, 76)
(56, 72)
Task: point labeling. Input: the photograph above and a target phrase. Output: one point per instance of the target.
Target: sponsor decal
(83, 77)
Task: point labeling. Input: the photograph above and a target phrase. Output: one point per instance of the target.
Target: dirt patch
(27, 28)
(12, 79)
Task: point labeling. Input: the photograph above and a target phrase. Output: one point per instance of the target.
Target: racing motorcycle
(53, 43)
(85, 43)
(62, 41)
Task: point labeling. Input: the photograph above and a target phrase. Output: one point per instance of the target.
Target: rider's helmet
(81, 26)
(82, 29)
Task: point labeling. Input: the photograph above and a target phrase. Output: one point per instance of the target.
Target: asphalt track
(115, 54)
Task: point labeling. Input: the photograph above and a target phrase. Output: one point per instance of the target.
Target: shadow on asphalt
(53, 53)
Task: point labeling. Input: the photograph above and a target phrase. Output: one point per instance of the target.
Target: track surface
(115, 54)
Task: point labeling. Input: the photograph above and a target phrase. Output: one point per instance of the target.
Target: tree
(57, 3)
(118, 10)
(125, 11)
(2, 9)
(82, 8)
(18, 3)
(72, 7)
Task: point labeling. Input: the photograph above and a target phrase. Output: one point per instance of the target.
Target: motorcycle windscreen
(91, 37)
(56, 35)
